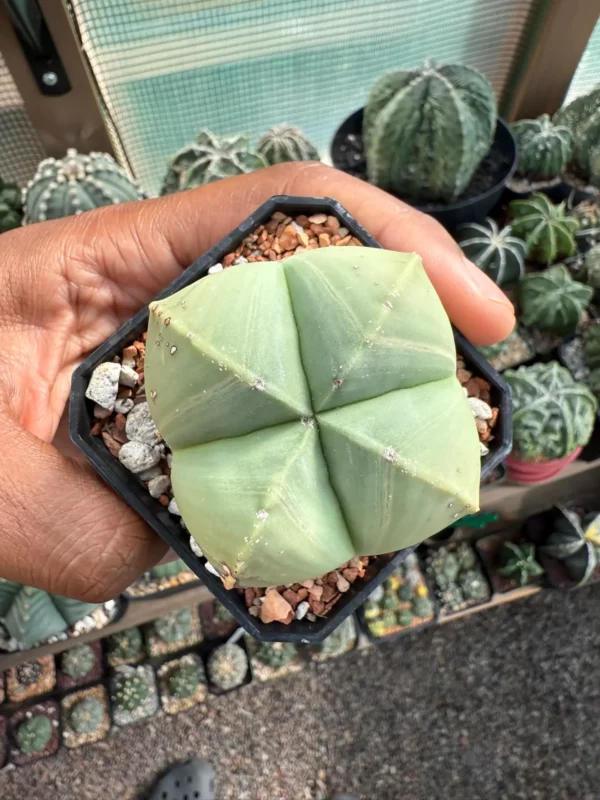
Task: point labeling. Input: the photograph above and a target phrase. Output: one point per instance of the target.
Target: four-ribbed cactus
(552, 301)
(209, 159)
(497, 252)
(11, 206)
(285, 143)
(427, 129)
(553, 415)
(547, 230)
(543, 148)
(582, 117)
(351, 437)
(74, 184)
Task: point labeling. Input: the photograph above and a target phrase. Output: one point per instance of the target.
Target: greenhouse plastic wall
(588, 72)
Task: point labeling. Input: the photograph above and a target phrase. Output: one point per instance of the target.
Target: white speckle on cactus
(215, 268)
(173, 350)
(262, 515)
(388, 304)
(259, 385)
(153, 394)
(308, 422)
(480, 409)
(390, 455)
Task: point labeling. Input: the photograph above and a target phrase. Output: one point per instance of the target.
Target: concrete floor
(502, 705)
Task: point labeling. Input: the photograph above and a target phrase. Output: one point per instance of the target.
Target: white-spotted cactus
(497, 252)
(582, 117)
(74, 184)
(285, 143)
(552, 301)
(546, 228)
(351, 436)
(427, 129)
(209, 159)
(543, 148)
(553, 415)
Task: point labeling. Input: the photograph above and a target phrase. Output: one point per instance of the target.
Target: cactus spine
(496, 252)
(544, 148)
(552, 301)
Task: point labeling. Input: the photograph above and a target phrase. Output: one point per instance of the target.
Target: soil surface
(500, 704)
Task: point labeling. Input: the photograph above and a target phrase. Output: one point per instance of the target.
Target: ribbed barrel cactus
(547, 230)
(582, 117)
(209, 159)
(11, 206)
(285, 143)
(552, 301)
(350, 436)
(576, 542)
(497, 252)
(553, 415)
(74, 184)
(427, 129)
(543, 148)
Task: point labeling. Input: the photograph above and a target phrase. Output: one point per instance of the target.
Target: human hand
(69, 284)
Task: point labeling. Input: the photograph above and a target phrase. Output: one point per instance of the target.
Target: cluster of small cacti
(126, 646)
(518, 561)
(426, 130)
(87, 715)
(497, 252)
(276, 654)
(553, 301)
(575, 540)
(74, 184)
(582, 118)
(547, 229)
(33, 734)
(285, 143)
(553, 414)
(11, 206)
(78, 661)
(543, 148)
(227, 666)
(458, 577)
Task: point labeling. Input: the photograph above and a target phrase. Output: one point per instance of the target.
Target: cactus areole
(313, 412)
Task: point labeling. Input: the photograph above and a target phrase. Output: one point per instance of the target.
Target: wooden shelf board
(497, 600)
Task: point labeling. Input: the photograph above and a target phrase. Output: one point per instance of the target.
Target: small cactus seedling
(74, 184)
(546, 228)
(87, 715)
(553, 415)
(78, 662)
(174, 627)
(126, 645)
(496, 252)
(518, 561)
(276, 654)
(281, 455)
(582, 118)
(544, 148)
(34, 734)
(405, 617)
(11, 207)
(552, 301)
(427, 129)
(183, 681)
(209, 159)
(29, 673)
(285, 143)
(227, 666)
(130, 692)
(575, 543)
(473, 585)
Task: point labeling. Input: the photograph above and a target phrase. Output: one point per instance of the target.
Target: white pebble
(140, 427)
(128, 376)
(104, 385)
(137, 457)
(241, 260)
(196, 549)
(173, 508)
(483, 450)
(124, 405)
(159, 485)
(343, 232)
(301, 610)
(169, 460)
(215, 268)
(128, 362)
(149, 474)
(211, 569)
(480, 409)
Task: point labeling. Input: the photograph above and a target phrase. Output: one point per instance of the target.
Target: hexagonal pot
(133, 491)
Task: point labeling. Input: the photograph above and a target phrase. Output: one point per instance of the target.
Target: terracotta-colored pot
(526, 472)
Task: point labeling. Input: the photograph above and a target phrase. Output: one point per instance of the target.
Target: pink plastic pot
(526, 472)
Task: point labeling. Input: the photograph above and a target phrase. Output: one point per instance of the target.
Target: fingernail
(485, 286)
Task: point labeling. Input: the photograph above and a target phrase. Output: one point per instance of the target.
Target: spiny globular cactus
(227, 666)
(285, 143)
(582, 117)
(518, 561)
(282, 455)
(126, 645)
(175, 626)
(87, 715)
(29, 673)
(543, 148)
(183, 681)
(209, 159)
(552, 301)
(496, 252)
(11, 206)
(130, 692)
(553, 415)
(546, 228)
(427, 129)
(78, 662)
(276, 654)
(33, 734)
(74, 184)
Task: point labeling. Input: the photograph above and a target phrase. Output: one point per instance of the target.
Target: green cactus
(587, 216)
(168, 570)
(518, 561)
(341, 640)
(543, 148)
(276, 654)
(74, 184)
(577, 546)
(465, 556)
(371, 609)
(33, 734)
(209, 159)
(553, 415)
(29, 673)
(183, 681)
(496, 252)
(474, 585)
(389, 602)
(427, 129)
(422, 607)
(552, 301)
(126, 645)
(130, 691)
(457, 576)
(405, 617)
(221, 614)
(227, 666)
(78, 662)
(546, 228)
(11, 206)
(251, 441)
(405, 592)
(582, 117)
(591, 267)
(175, 626)
(285, 143)
(87, 715)
(592, 345)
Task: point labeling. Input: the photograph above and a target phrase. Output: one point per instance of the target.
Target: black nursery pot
(134, 492)
(352, 160)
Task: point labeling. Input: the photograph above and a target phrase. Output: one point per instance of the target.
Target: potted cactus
(285, 143)
(510, 562)
(182, 683)
(273, 659)
(172, 632)
(582, 118)
(268, 414)
(341, 641)
(457, 578)
(497, 252)
(133, 694)
(553, 418)
(546, 228)
(11, 206)
(544, 149)
(552, 301)
(33, 733)
(85, 717)
(573, 540)
(79, 666)
(30, 679)
(227, 667)
(431, 136)
(125, 647)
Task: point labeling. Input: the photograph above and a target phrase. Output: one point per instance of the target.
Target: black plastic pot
(449, 215)
(133, 491)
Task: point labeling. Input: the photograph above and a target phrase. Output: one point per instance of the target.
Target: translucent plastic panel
(167, 68)
(587, 74)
